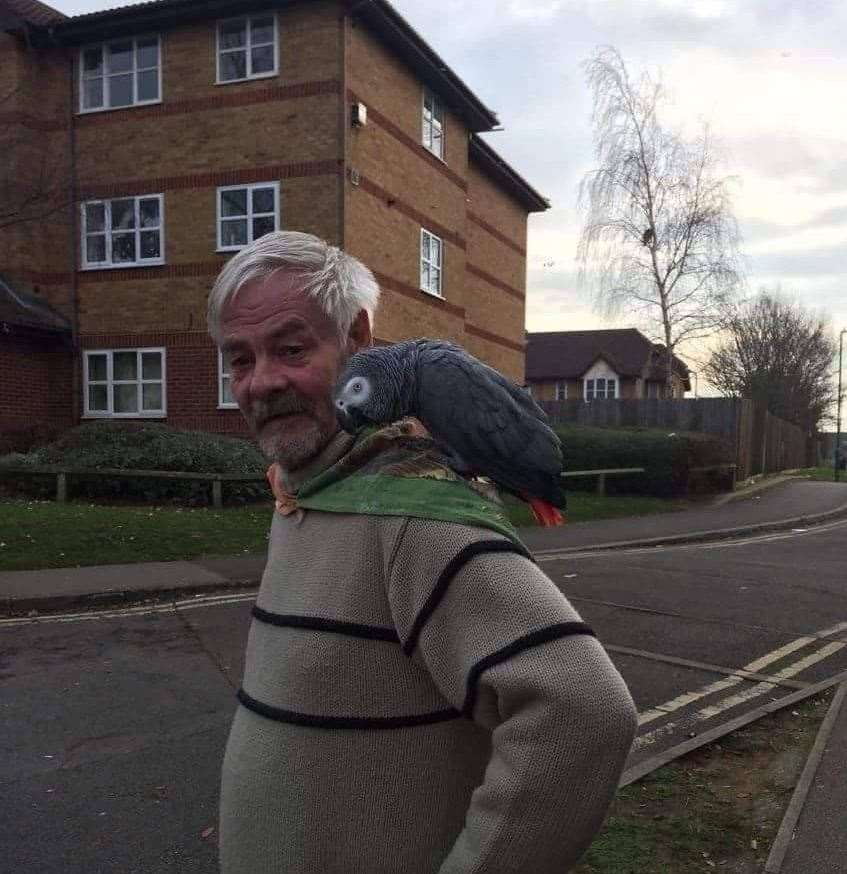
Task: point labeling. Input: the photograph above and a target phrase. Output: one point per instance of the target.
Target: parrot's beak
(349, 418)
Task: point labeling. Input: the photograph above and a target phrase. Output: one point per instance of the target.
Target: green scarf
(392, 472)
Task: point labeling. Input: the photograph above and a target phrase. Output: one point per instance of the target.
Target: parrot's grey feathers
(473, 412)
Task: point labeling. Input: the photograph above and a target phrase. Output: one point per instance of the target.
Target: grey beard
(290, 451)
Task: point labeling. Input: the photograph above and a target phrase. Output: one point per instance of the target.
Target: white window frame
(561, 391)
(428, 261)
(224, 374)
(105, 76)
(432, 117)
(110, 383)
(249, 216)
(605, 396)
(248, 45)
(108, 232)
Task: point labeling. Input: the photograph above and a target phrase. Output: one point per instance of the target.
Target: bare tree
(33, 175)
(777, 353)
(660, 239)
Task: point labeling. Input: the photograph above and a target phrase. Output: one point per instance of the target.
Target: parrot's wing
(483, 418)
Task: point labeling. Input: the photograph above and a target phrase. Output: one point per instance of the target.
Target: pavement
(817, 834)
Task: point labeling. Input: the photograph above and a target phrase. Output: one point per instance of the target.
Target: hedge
(667, 456)
(145, 446)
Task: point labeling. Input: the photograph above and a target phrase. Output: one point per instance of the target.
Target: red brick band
(493, 280)
(270, 173)
(494, 338)
(420, 296)
(157, 271)
(169, 339)
(25, 119)
(222, 99)
(478, 220)
(37, 277)
(424, 221)
(375, 116)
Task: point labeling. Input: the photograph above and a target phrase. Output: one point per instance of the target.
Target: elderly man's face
(285, 356)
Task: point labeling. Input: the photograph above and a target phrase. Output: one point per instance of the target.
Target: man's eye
(290, 351)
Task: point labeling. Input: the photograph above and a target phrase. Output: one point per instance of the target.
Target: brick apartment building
(147, 143)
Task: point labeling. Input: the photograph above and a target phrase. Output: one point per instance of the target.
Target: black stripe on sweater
(453, 567)
(543, 635)
(278, 714)
(318, 623)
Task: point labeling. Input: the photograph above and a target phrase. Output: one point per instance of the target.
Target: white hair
(341, 284)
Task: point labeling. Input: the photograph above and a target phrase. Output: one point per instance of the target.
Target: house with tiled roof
(175, 132)
(600, 365)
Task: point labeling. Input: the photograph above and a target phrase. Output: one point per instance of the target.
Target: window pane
(95, 249)
(148, 53)
(123, 248)
(262, 226)
(263, 200)
(435, 249)
(151, 397)
(425, 275)
(148, 210)
(437, 142)
(120, 57)
(126, 398)
(233, 66)
(425, 246)
(427, 133)
(226, 391)
(95, 217)
(98, 398)
(120, 90)
(92, 62)
(233, 34)
(148, 85)
(124, 365)
(123, 214)
(234, 202)
(234, 233)
(435, 281)
(150, 244)
(261, 30)
(97, 368)
(262, 60)
(92, 93)
(151, 365)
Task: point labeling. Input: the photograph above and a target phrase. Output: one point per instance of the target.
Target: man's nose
(267, 378)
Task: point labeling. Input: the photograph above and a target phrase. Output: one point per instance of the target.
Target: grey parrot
(484, 423)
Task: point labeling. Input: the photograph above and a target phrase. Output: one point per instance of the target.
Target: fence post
(61, 488)
(601, 484)
(217, 494)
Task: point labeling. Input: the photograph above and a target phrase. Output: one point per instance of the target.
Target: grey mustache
(282, 405)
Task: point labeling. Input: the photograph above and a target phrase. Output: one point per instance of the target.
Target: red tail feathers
(545, 514)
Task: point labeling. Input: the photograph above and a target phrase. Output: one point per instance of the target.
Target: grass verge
(44, 534)
(826, 474)
(717, 809)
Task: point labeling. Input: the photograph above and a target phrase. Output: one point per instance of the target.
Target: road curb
(707, 536)
(653, 763)
(785, 835)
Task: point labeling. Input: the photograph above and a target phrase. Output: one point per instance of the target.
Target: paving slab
(819, 844)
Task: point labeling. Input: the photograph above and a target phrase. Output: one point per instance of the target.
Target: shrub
(147, 446)
(25, 439)
(667, 457)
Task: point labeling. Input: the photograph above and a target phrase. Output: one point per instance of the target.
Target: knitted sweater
(418, 698)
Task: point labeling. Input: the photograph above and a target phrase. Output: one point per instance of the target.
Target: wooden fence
(761, 442)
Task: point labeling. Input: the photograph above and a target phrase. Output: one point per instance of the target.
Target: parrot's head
(367, 391)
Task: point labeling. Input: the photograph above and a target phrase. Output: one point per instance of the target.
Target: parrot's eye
(357, 388)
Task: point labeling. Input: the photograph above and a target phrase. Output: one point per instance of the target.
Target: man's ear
(360, 336)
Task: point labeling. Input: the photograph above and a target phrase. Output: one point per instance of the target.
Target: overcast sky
(770, 76)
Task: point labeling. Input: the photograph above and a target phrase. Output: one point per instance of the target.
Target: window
(225, 397)
(124, 232)
(125, 72)
(561, 391)
(245, 213)
(653, 389)
(600, 389)
(125, 383)
(431, 260)
(247, 48)
(433, 124)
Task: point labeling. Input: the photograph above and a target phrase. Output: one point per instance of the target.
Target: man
(418, 697)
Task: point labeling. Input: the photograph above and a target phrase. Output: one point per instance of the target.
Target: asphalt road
(112, 725)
